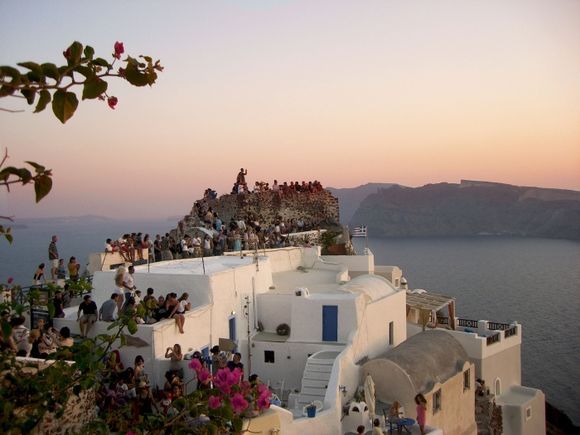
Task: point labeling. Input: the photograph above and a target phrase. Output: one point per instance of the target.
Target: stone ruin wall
(320, 208)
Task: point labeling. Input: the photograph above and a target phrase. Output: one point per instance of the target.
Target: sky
(345, 92)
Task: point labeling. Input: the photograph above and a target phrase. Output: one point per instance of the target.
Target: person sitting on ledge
(109, 309)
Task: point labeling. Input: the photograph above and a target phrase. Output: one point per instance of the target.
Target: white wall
(290, 360)
(514, 418)
(355, 263)
(307, 316)
(274, 309)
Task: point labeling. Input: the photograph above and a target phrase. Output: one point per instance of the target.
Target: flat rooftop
(195, 266)
(315, 280)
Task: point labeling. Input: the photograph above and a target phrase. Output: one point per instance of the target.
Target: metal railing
(495, 326)
(495, 338)
(511, 331)
(467, 323)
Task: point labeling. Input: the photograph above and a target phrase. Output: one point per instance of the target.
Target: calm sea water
(533, 281)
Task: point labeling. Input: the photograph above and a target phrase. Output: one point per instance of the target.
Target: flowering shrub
(226, 399)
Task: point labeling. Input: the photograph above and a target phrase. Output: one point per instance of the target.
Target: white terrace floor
(195, 266)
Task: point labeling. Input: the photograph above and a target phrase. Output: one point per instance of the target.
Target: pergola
(429, 303)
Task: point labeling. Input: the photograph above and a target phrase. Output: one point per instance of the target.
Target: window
(466, 379)
(269, 356)
(391, 333)
(437, 401)
(528, 413)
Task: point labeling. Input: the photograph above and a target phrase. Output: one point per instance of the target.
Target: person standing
(53, 257)
(421, 411)
(73, 269)
(89, 317)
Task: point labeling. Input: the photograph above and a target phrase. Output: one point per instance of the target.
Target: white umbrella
(369, 386)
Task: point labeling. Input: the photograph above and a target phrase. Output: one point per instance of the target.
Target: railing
(511, 331)
(467, 323)
(495, 326)
(493, 338)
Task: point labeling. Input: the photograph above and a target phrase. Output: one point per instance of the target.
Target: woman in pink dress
(421, 410)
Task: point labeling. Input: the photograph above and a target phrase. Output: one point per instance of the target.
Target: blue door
(232, 324)
(329, 323)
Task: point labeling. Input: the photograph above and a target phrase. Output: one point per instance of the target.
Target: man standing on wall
(53, 257)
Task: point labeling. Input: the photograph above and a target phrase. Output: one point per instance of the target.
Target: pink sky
(343, 92)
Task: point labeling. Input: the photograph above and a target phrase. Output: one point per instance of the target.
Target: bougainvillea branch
(41, 84)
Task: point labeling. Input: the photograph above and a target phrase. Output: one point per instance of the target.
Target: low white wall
(392, 273)
(355, 263)
(104, 260)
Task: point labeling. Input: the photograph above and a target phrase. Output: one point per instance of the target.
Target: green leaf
(29, 94)
(84, 70)
(89, 52)
(8, 237)
(76, 51)
(32, 66)
(64, 105)
(9, 71)
(6, 330)
(50, 70)
(39, 168)
(94, 87)
(43, 101)
(42, 186)
(132, 326)
(6, 90)
(101, 62)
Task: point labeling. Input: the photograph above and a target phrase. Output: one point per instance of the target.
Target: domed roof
(428, 357)
(374, 287)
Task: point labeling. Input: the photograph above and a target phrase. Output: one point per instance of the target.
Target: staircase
(316, 376)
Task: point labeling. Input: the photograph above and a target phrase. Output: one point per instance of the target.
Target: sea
(535, 282)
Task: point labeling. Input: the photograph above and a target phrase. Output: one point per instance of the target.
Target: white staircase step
(315, 383)
(320, 369)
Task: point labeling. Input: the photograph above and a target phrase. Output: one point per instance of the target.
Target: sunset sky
(346, 92)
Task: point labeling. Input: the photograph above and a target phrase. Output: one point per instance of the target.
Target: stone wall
(320, 209)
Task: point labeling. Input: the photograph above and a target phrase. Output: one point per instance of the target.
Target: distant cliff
(471, 208)
(350, 198)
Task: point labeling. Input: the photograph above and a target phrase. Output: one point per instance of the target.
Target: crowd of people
(131, 385)
(43, 341)
(284, 188)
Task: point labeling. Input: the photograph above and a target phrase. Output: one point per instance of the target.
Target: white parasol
(369, 386)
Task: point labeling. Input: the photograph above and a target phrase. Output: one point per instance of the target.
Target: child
(421, 410)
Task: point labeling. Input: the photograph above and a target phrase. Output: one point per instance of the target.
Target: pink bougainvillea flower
(195, 364)
(10, 280)
(119, 50)
(203, 375)
(214, 402)
(239, 403)
(112, 102)
(235, 376)
(263, 402)
(122, 72)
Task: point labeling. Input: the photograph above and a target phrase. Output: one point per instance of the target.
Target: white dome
(373, 286)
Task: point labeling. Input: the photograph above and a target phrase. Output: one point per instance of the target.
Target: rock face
(471, 208)
(317, 209)
(350, 198)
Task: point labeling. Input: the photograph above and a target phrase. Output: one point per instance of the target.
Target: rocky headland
(471, 208)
